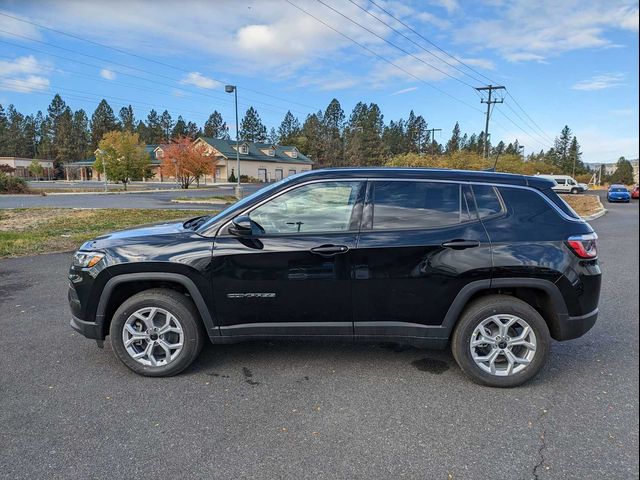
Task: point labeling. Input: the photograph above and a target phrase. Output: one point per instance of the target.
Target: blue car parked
(618, 193)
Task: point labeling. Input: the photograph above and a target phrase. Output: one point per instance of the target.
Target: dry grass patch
(29, 231)
(584, 205)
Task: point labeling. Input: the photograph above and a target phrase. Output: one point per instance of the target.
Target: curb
(201, 202)
(130, 192)
(601, 213)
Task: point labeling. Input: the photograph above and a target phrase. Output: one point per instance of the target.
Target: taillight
(584, 246)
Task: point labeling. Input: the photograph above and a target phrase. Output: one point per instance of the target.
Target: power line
(219, 96)
(381, 57)
(391, 43)
(124, 52)
(532, 130)
(527, 115)
(416, 43)
(408, 27)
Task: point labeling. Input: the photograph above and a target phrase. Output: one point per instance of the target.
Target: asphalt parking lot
(306, 410)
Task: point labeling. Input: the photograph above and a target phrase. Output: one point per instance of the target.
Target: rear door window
(417, 205)
(487, 200)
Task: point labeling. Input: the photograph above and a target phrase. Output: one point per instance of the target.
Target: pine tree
(127, 119)
(179, 129)
(273, 136)
(3, 132)
(141, 130)
(215, 127)
(561, 148)
(416, 133)
(81, 136)
(333, 125)
(168, 128)
(252, 128)
(193, 131)
(310, 140)
(575, 158)
(64, 142)
(45, 143)
(394, 138)
(363, 136)
(16, 142)
(154, 130)
(289, 130)
(623, 173)
(453, 145)
(30, 129)
(103, 120)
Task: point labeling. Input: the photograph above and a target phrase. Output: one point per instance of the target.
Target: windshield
(618, 189)
(242, 203)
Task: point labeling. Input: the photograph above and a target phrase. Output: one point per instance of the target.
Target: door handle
(460, 244)
(329, 250)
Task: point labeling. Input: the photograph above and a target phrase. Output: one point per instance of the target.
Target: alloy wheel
(153, 336)
(503, 345)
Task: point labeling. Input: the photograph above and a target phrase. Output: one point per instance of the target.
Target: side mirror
(243, 226)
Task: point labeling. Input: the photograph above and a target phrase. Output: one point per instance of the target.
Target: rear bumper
(90, 330)
(574, 327)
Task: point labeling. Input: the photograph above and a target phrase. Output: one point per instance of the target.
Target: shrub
(9, 184)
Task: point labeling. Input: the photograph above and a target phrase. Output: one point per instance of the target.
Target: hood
(158, 233)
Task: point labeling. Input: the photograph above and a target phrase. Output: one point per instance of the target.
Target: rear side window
(487, 200)
(413, 205)
(555, 198)
(528, 206)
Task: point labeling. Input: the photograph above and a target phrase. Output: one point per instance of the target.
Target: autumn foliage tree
(186, 161)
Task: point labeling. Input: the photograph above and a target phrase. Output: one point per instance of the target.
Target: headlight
(86, 259)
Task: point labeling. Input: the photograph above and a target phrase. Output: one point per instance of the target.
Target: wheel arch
(120, 287)
(543, 295)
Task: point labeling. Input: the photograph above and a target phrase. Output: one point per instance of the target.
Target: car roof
(617, 185)
(481, 176)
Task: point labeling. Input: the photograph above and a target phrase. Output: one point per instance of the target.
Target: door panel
(295, 276)
(405, 279)
(278, 280)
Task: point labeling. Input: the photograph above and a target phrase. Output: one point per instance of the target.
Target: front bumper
(574, 327)
(619, 199)
(91, 330)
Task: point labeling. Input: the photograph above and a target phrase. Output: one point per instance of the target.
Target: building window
(292, 171)
(294, 153)
(279, 174)
(262, 174)
(244, 149)
(271, 152)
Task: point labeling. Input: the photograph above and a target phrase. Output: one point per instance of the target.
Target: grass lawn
(584, 204)
(29, 231)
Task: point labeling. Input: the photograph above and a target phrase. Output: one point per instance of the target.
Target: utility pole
(489, 102)
(431, 131)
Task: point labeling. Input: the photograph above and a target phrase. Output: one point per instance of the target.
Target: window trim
(367, 217)
(368, 180)
(503, 206)
(356, 212)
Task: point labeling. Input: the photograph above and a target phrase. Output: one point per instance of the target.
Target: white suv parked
(566, 184)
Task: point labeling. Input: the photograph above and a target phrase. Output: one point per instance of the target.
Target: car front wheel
(156, 332)
(500, 341)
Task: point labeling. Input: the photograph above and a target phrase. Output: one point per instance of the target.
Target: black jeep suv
(494, 264)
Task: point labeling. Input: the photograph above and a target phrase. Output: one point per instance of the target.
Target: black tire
(483, 308)
(575, 191)
(182, 308)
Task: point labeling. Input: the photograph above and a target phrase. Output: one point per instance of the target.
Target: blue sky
(570, 62)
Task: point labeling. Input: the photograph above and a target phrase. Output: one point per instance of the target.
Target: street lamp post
(233, 89)
(104, 169)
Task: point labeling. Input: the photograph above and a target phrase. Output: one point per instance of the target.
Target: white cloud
(427, 17)
(199, 80)
(24, 75)
(522, 30)
(10, 27)
(599, 147)
(405, 90)
(108, 74)
(448, 5)
(600, 82)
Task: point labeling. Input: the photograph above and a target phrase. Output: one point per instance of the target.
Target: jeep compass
(493, 265)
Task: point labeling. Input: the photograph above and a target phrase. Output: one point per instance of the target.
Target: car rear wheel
(575, 191)
(500, 341)
(156, 332)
